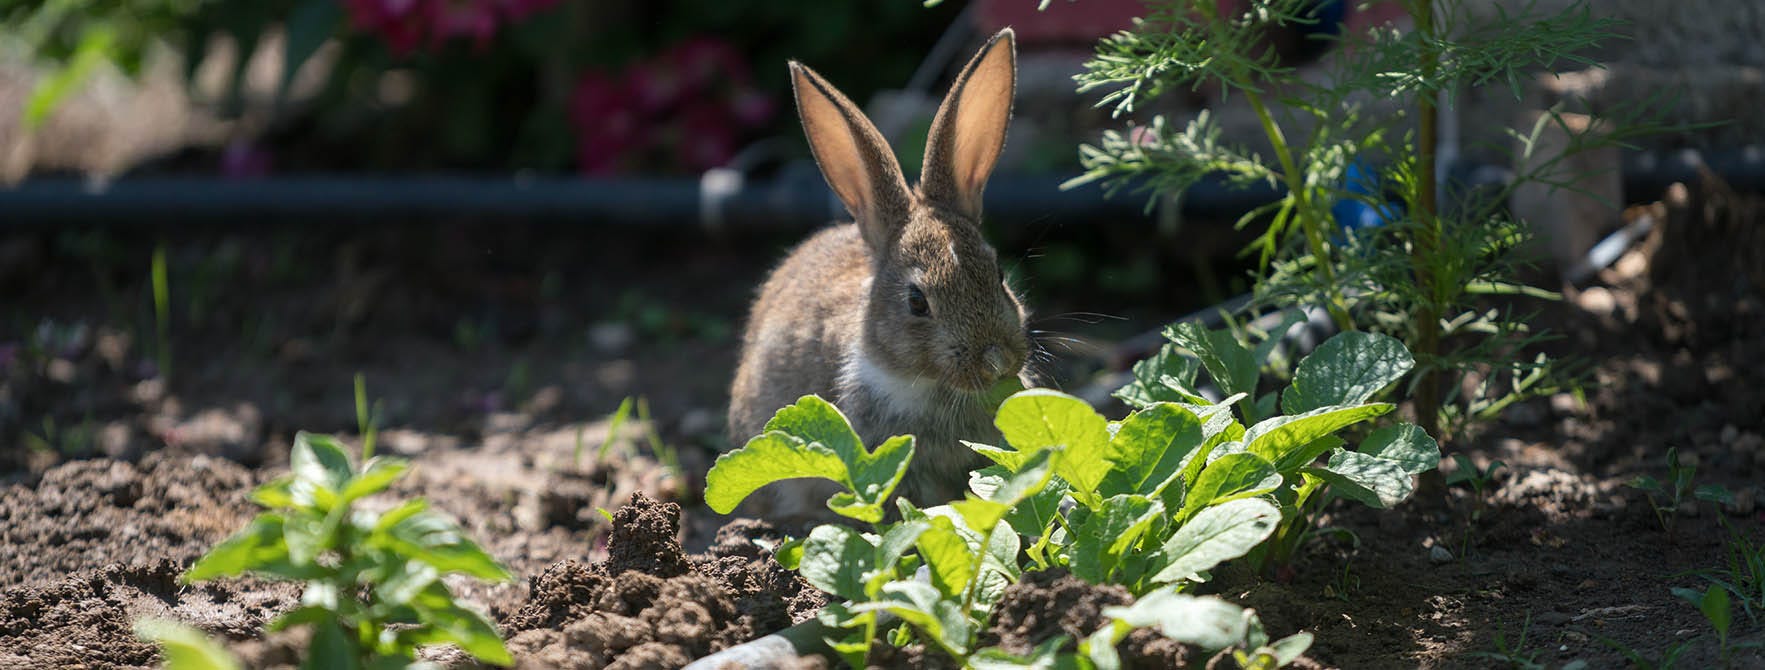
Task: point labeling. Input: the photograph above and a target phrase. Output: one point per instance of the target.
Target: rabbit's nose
(994, 357)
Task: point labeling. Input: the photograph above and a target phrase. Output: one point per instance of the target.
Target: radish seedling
(373, 590)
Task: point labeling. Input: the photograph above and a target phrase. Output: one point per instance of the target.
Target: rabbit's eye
(916, 301)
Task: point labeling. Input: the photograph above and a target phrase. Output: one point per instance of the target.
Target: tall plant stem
(1425, 246)
(1305, 209)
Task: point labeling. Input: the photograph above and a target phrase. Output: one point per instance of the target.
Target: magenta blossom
(688, 108)
(406, 24)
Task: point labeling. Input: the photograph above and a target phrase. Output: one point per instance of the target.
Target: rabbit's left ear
(969, 131)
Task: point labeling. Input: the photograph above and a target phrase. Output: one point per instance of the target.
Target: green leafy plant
(1514, 654)
(1480, 481)
(1668, 660)
(1420, 276)
(1134, 522)
(1331, 390)
(184, 647)
(372, 581)
(1743, 573)
(1714, 604)
(1665, 499)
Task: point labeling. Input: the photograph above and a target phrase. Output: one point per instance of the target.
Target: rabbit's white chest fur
(882, 404)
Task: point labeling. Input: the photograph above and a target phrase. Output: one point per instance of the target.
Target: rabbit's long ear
(969, 130)
(854, 158)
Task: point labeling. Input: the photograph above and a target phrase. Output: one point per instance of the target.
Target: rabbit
(902, 319)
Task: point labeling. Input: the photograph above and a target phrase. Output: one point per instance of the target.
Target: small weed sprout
(373, 590)
(1515, 655)
(1743, 574)
(162, 311)
(185, 647)
(1714, 604)
(1666, 499)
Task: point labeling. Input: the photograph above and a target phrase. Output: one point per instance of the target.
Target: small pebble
(1597, 300)
(1688, 509)
(1439, 555)
(1730, 434)
(1565, 403)
(1743, 502)
(611, 337)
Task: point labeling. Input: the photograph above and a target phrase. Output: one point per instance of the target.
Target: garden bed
(142, 472)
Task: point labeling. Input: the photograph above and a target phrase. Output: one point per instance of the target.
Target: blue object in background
(1353, 214)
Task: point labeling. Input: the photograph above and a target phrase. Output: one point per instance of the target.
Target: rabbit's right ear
(853, 156)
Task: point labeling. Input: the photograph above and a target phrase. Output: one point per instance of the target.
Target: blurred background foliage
(597, 86)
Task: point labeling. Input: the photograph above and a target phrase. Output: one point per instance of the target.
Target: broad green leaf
(1346, 369)
(1282, 439)
(1150, 446)
(947, 555)
(1099, 647)
(185, 647)
(814, 420)
(1376, 482)
(1206, 622)
(375, 477)
(769, 457)
(789, 554)
(405, 581)
(1716, 493)
(880, 471)
(1231, 366)
(1229, 477)
(258, 545)
(1110, 532)
(275, 493)
(835, 559)
(897, 541)
(1166, 376)
(396, 515)
(1405, 444)
(305, 615)
(1717, 609)
(987, 512)
(436, 540)
(1010, 459)
(1031, 516)
(1046, 656)
(921, 605)
(1214, 535)
(1040, 419)
(331, 649)
(1288, 649)
(320, 460)
(466, 627)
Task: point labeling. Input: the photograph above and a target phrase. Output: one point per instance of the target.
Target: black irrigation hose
(724, 199)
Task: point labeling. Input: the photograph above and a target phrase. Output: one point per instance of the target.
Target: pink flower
(703, 61)
(655, 86)
(606, 123)
(400, 23)
(475, 19)
(519, 10)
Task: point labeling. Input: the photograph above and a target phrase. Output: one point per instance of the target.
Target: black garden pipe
(794, 198)
(722, 199)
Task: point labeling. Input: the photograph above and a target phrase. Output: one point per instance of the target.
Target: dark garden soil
(499, 353)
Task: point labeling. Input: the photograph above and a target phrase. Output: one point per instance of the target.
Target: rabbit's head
(939, 310)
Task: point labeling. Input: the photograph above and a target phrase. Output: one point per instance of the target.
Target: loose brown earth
(474, 339)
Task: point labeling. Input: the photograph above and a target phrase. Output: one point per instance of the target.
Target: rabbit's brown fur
(839, 317)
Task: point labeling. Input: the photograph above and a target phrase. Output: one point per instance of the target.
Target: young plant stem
(1304, 209)
(1425, 247)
